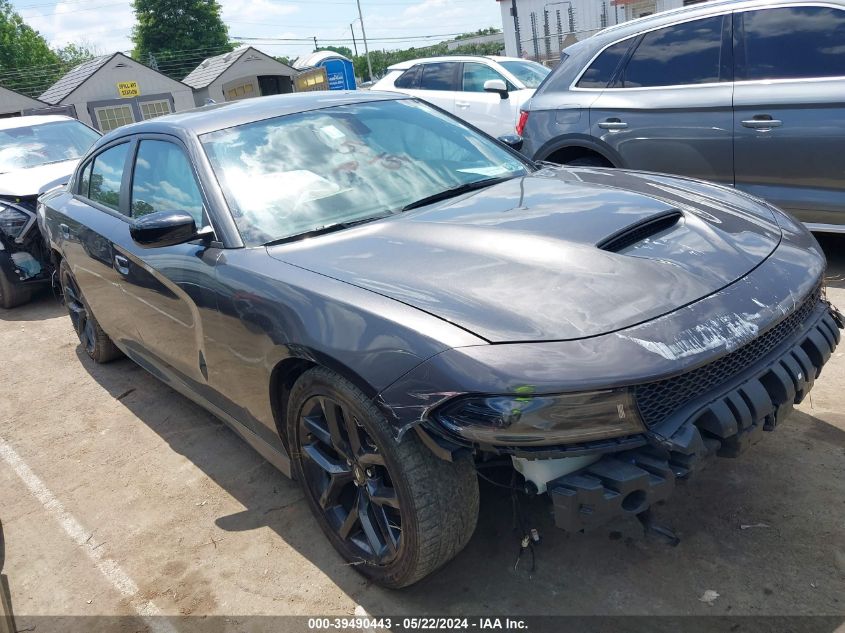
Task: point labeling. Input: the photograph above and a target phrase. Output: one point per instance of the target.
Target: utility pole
(316, 46)
(354, 43)
(364, 37)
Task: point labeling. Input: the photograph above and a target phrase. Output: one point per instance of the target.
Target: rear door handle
(462, 104)
(121, 264)
(762, 122)
(613, 124)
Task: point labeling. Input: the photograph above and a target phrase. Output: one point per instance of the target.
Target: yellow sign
(128, 89)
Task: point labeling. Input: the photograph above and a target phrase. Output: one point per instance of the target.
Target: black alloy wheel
(348, 477)
(78, 311)
(391, 508)
(95, 341)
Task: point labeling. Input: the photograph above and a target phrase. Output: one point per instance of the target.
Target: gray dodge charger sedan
(747, 93)
(379, 298)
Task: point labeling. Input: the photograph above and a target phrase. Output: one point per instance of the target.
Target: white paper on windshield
(491, 171)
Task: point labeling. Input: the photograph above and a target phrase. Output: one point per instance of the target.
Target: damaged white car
(37, 154)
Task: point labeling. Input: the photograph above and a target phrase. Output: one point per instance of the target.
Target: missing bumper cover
(629, 483)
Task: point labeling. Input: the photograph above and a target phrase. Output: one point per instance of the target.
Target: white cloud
(108, 26)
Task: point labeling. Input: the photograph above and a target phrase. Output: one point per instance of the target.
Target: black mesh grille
(658, 400)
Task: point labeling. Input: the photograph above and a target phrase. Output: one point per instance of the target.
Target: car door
(668, 104)
(91, 224)
(438, 84)
(789, 109)
(487, 111)
(168, 289)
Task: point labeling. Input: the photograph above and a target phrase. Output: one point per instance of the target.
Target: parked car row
(747, 93)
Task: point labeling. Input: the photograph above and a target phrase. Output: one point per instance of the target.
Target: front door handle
(121, 264)
(463, 105)
(613, 124)
(762, 122)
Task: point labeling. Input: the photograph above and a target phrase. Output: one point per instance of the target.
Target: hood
(558, 255)
(34, 181)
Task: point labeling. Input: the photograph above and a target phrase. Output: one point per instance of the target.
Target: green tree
(21, 48)
(176, 35)
(341, 50)
(72, 55)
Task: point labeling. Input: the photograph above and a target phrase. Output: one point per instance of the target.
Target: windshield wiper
(456, 191)
(327, 228)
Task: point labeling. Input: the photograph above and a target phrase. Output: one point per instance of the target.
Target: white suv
(487, 92)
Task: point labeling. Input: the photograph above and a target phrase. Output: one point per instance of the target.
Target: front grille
(658, 400)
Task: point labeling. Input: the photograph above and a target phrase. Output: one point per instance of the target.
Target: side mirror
(514, 141)
(496, 85)
(165, 228)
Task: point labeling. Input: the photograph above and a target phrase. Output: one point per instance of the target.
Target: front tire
(95, 341)
(11, 295)
(392, 509)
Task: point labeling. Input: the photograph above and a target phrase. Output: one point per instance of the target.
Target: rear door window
(679, 55)
(440, 76)
(792, 43)
(107, 176)
(601, 71)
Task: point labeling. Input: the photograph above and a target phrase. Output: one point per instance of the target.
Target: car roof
(220, 116)
(701, 10)
(27, 121)
(452, 58)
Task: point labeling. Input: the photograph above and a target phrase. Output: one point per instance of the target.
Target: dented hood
(33, 181)
(520, 261)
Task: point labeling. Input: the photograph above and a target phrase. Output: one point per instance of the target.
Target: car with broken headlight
(378, 297)
(37, 154)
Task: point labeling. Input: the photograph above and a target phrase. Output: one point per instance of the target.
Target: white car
(487, 92)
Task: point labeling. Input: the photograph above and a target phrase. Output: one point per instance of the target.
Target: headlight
(542, 420)
(13, 220)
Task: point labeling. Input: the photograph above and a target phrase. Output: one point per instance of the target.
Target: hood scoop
(639, 231)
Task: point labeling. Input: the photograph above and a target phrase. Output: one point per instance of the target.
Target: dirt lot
(119, 496)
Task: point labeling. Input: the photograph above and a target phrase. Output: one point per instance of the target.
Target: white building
(241, 74)
(114, 90)
(540, 29)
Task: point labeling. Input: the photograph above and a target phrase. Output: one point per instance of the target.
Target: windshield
(304, 172)
(531, 74)
(44, 143)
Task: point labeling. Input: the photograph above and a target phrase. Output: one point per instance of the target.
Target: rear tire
(392, 509)
(95, 342)
(12, 295)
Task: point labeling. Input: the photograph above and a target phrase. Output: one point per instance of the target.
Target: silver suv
(749, 94)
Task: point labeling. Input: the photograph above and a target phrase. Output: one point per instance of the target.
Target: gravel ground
(118, 496)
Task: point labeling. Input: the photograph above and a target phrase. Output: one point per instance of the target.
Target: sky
(106, 24)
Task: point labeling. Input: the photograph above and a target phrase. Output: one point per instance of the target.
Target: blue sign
(340, 73)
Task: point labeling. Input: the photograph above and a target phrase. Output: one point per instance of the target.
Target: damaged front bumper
(719, 424)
